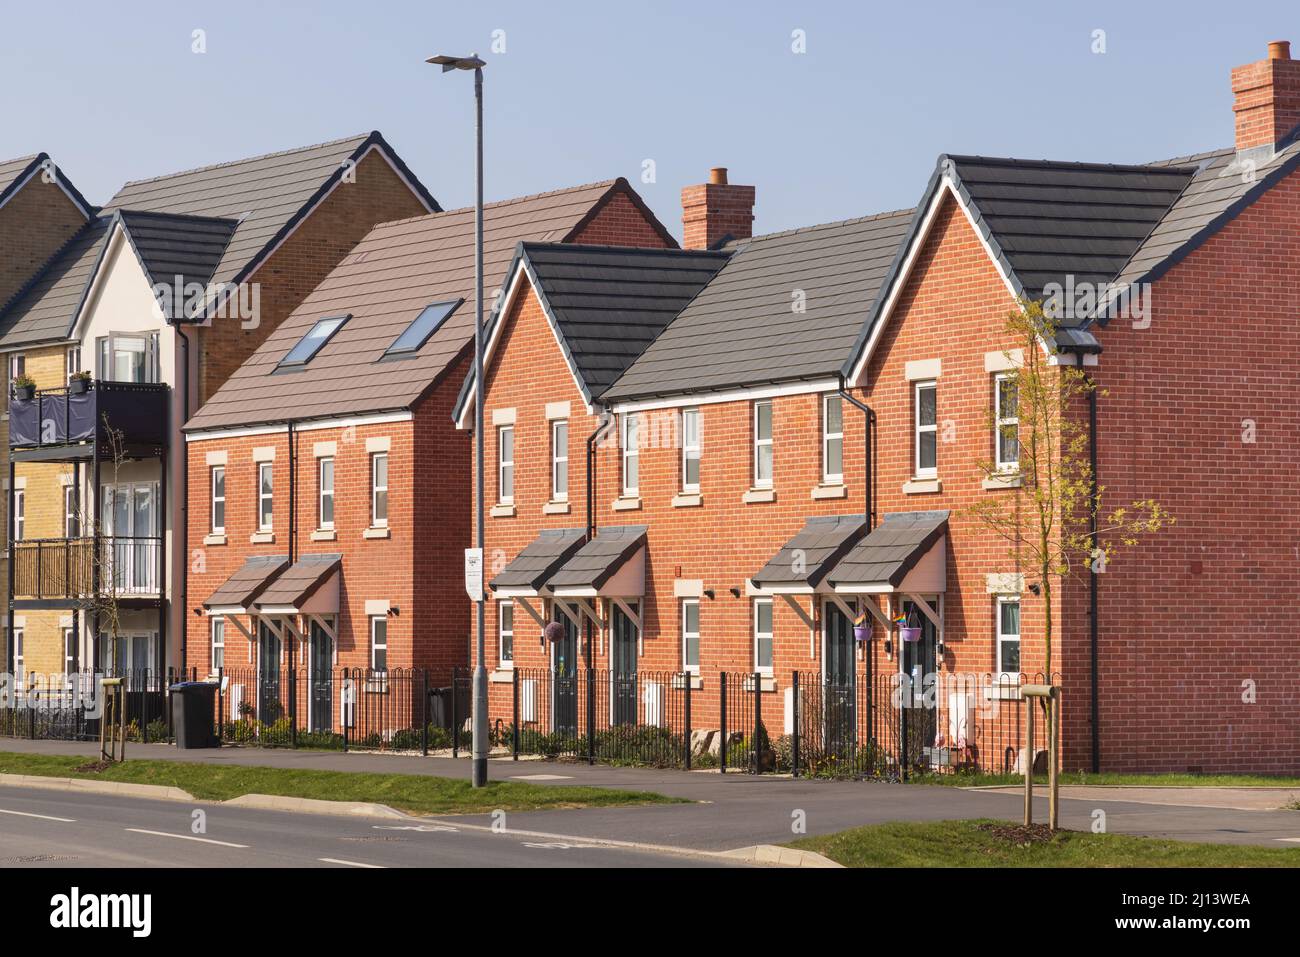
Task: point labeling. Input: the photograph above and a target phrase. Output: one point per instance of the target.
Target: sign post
(474, 573)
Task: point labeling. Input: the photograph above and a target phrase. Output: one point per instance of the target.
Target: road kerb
(780, 856)
(276, 802)
(158, 792)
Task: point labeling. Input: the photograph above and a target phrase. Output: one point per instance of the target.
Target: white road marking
(184, 837)
(43, 817)
(541, 777)
(424, 828)
(561, 846)
(335, 860)
(1293, 840)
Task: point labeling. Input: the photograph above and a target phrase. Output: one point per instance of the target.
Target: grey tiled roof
(296, 584)
(597, 561)
(539, 559)
(248, 581)
(43, 310)
(383, 284)
(743, 329)
(170, 245)
(15, 172)
(813, 552)
(888, 552)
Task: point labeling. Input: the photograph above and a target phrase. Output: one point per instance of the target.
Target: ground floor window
(134, 654)
(1008, 640)
(763, 635)
(218, 643)
(69, 651)
(691, 635)
(379, 643)
(20, 669)
(506, 633)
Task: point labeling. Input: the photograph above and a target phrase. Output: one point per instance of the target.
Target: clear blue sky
(588, 91)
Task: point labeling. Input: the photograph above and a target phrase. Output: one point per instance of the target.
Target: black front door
(321, 664)
(622, 660)
(840, 680)
(564, 666)
(269, 709)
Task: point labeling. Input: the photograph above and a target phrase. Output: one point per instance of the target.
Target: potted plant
(906, 630)
(861, 628)
(79, 382)
(24, 387)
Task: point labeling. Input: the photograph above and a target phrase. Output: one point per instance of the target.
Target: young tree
(1047, 524)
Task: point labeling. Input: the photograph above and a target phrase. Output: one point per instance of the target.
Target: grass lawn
(1104, 779)
(418, 793)
(985, 843)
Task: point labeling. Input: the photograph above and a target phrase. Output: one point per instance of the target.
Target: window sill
(556, 508)
(830, 491)
(502, 676)
(627, 504)
(755, 495)
(262, 538)
(767, 682)
(324, 535)
(696, 682)
(502, 511)
(216, 538)
(382, 532)
(994, 482)
(922, 486)
(687, 500)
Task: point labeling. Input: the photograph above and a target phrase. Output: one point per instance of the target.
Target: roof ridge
(607, 183)
(827, 225)
(1076, 164)
(246, 159)
(131, 211)
(609, 248)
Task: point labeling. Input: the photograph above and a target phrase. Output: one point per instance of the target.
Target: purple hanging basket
(861, 632)
(909, 634)
(553, 631)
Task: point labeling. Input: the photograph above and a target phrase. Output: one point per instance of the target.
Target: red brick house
(801, 442)
(328, 487)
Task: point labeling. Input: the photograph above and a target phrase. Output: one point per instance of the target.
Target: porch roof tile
(539, 559)
(297, 583)
(248, 581)
(813, 552)
(596, 562)
(888, 553)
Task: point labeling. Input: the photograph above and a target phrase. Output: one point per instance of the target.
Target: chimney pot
(1266, 98)
(718, 176)
(1279, 50)
(715, 211)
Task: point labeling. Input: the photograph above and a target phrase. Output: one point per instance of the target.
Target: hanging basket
(553, 631)
(909, 634)
(861, 632)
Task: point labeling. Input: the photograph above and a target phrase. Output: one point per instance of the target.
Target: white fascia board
(58, 181)
(735, 395)
(516, 592)
(905, 274)
(495, 322)
(314, 425)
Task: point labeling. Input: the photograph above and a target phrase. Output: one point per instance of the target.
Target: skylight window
(424, 325)
(313, 341)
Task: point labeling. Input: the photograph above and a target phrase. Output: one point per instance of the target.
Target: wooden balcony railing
(53, 568)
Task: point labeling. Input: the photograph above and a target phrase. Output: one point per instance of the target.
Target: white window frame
(217, 642)
(376, 520)
(504, 633)
(376, 645)
(1000, 422)
(691, 446)
(72, 361)
(559, 457)
(770, 635)
(267, 468)
(322, 493)
(71, 520)
(69, 652)
(919, 429)
(829, 477)
(687, 667)
(20, 514)
(503, 464)
(631, 462)
(760, 443)
(20, 658)
(1003, 676)
(218, 528)
(17, 365)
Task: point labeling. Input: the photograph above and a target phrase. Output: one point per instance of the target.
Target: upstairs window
(833, 440)
(265, 497)
(71, 521)
(424, 325)
(127, 357)
(1006, 399)
(20, 514)
(379, 490)
(763, 444)
(219, 500)
(72, 363)
(690, 450)
(559, 461)
(312, 342)
(927, 430)
(325, 481)
(506, 465)
(631, 455)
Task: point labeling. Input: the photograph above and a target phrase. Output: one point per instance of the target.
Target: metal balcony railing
(51, 417)
(53, 568)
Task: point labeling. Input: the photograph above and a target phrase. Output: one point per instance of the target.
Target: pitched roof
(592, 565)
(15, 173)
(743, 328)
(807, 558)
(889, 551)
(390, 276)
(539, 559)
(170, 245)
(264, 196)
(296, 583)
(247, 582)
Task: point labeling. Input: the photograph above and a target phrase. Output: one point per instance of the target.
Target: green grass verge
(971, 779)
(985, 843)
(418, 793)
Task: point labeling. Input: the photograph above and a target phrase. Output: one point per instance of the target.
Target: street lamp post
(479, 704)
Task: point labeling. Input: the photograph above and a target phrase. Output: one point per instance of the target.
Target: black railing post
(424, 712)
(757, 759)
(591, 716)
(906, 693)
(794, 727)
(455, 712)
(514, 693)
(170, 730)
(221, 703)
(144, 710)
(686, 708)
(347, 712)
(722, 731)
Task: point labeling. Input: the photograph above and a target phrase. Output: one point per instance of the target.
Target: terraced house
(329, 488)
(129, 325)
(716, 460)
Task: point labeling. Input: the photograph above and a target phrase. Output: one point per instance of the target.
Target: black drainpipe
(1094, 584)
(601, 429)
(868, 454)
(185, 499)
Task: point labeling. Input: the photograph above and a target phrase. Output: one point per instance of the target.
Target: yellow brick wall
(43, 641)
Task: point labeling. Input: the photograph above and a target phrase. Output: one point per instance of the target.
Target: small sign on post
(474, 573)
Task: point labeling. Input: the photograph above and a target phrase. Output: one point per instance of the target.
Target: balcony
(59, 572)
(64, 424)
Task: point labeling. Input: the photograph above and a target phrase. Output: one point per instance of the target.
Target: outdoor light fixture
(735, 592)
(1035, 588)
(709, 593)
(394, 610)
(478, 705)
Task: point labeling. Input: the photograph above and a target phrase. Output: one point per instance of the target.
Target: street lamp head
(471, 62)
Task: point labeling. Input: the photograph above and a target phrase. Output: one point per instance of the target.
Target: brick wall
(33, 225)
(619, 223)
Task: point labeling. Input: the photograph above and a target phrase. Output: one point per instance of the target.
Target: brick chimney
(1267, 97)
(716, 210)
